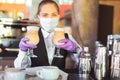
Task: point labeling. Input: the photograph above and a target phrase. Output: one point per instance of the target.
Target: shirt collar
(45, 33)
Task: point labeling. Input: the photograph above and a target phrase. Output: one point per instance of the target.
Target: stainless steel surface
(100, 62)
(85, 65)
(115, 66)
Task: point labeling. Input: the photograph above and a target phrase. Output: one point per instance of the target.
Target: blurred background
(88, 21)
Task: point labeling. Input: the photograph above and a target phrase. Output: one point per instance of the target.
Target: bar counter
(7, 61)
(72, 75)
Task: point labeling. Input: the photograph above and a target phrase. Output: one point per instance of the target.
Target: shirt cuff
(22, 53)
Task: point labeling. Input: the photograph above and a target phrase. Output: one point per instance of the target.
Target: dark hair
(43, 2)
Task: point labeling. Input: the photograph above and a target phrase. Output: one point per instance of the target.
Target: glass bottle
(85, 64)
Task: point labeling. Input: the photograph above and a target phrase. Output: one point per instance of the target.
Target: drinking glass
(58, 35)
(32, 34)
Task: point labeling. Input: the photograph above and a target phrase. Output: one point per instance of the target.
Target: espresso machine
(11, 31)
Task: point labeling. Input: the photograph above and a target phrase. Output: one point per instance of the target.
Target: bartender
(48, 14)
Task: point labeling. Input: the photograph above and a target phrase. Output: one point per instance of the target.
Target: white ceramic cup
(48, 73)
(14, 74)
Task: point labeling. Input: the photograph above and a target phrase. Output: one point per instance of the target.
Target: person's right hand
(24, 46)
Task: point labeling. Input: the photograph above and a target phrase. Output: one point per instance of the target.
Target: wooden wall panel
(116, 19)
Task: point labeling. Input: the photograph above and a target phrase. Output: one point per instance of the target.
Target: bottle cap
(86, 49)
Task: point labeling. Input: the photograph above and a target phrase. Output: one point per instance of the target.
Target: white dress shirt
(23, 59)
(50, 47)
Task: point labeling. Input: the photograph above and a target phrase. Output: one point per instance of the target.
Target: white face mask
(48, 24)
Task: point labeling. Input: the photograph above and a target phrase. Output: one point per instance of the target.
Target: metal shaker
(115, 66)
(100, 63)
(85, 65)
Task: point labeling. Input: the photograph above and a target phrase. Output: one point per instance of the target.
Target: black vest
(42, 58)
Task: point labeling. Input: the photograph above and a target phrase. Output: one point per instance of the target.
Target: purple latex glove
(69, 45)
(24, 46)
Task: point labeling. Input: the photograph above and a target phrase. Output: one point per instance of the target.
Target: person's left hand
(68, 45)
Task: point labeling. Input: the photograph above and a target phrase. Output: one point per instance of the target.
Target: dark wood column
(85, 22)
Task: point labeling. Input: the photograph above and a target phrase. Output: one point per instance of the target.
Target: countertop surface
(8, 58)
